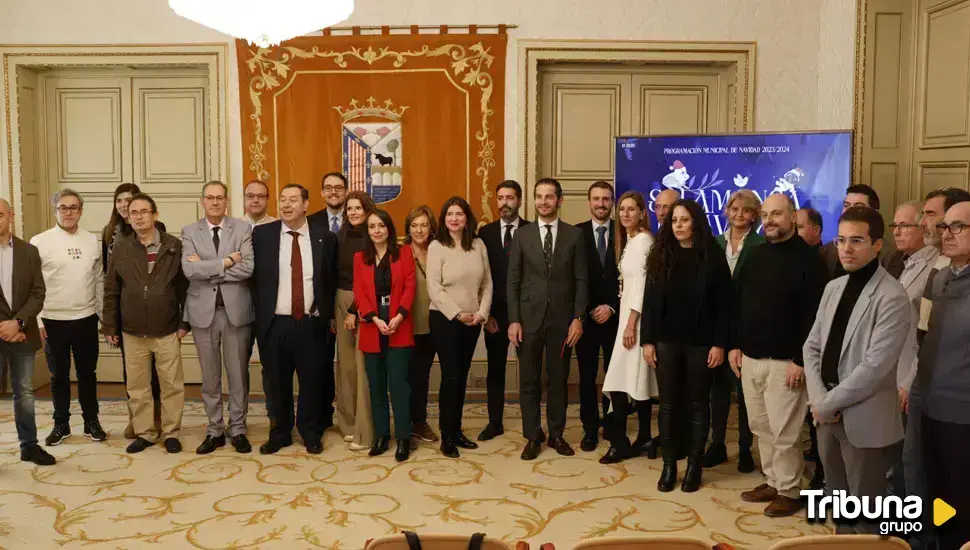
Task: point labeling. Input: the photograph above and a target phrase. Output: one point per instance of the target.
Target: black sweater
(692, 306)
(351, 240)
(778, 291)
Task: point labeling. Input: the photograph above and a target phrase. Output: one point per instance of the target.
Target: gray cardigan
(944, 358)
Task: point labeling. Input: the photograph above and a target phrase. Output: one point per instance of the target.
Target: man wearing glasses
(71, 262)
(257, 202)
(217, 259)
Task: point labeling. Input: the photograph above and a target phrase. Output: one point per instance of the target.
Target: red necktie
(296, 277)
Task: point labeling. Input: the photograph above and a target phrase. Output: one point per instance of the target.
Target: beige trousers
(138, 363)
(350, 379)
(775, 414)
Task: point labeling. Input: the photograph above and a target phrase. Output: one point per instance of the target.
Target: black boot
(403, 450)
(668, 477)
(699, 421)
(692, 479)
(645, 444)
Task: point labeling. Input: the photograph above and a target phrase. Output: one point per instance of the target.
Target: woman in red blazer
(384, 291)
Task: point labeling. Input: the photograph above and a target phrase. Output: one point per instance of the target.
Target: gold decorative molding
(858, 91)
(371, 108)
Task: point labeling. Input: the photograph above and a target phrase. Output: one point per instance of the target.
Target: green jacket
(751, 240)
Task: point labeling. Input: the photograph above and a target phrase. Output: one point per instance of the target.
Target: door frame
(215, 57)
(740, 56)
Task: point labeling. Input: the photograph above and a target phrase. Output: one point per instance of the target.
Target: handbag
(414, 542)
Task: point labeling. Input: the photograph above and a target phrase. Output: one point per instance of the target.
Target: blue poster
(814, 169)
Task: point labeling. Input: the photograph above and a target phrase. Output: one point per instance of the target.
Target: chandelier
(262, 22)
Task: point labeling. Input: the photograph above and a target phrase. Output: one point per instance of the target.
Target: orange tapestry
(412, 119)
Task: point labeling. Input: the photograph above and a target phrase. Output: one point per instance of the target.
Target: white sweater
(73, 274)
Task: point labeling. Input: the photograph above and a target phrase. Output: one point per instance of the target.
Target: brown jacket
(140, 303)
(28, 294)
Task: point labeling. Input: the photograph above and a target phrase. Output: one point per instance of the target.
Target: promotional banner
(814, 169)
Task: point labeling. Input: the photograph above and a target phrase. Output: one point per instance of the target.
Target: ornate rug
(99, 497)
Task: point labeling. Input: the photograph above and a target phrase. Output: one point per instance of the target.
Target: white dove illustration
(740, 181)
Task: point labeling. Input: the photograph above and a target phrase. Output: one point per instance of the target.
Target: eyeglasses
(856, 242)
(73, 209)
(254, 196)
(140, 213)
(215, 198)
(955, 227)
(333, 188)
(895, 226)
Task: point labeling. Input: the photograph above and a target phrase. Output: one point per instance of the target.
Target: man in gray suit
(217, 258)
(547, 289)
(851, 354)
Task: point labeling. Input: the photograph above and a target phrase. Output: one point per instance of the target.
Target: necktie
(601, 243)
(334, 226)
(507, 239)
(296, 277)
(215, 242)
(547, 246)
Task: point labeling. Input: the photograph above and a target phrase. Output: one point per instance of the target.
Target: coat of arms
(373, 157)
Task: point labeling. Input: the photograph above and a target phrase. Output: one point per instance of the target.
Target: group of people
(866, 344)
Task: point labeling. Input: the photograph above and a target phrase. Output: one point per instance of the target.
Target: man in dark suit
(497, 237)
(600, 326)
(22, 293)
(547, 295)
(295, 281)
(855, 195)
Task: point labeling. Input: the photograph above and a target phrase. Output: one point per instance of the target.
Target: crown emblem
(357, 109)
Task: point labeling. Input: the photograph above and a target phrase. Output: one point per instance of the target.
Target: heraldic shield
(373, 158)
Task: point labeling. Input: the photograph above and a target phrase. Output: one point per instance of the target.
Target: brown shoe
(783, 506)
(761, 493)
(423, 431)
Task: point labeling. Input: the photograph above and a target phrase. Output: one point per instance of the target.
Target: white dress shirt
(542, 232)
(284, 296)
(222, 230)
(514, 225)
(6, 271)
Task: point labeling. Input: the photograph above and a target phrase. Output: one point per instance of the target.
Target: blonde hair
(750, 200)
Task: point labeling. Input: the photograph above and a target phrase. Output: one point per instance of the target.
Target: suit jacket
(533, 290)
(604, 279)
(830, 255)
(751, 240)
(498, 262)
(878, 328)
(28, 294)
(402, 299)
(209, 274)
(266, 272)
(894, 263)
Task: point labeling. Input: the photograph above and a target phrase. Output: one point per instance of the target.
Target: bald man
(662, 204)
(20, 268)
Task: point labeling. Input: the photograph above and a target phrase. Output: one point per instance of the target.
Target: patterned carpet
(99, 497)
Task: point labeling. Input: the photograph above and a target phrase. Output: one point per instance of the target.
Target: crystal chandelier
(264, 23)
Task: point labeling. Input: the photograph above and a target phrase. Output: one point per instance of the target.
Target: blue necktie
(334, 226)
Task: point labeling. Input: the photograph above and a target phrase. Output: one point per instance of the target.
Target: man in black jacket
(497, 237)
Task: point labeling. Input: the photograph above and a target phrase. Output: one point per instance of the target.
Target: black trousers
(497, 348)
(455, 343)
(419, 376)
(723, 381)
(682, 370)
(548, 339)
(595, 337)
(293, 346)
(945, 459)
(80, 339)
(328, 391)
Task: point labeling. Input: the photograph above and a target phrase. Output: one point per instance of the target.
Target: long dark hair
(443, 236)
(365, 200)
(116, 219)
(370, 251)
(660, 262)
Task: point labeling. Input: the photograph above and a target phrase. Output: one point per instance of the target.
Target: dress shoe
(34, 453)
(490, 432)
(692, 478)
(273, 446)
(423, 431)
(139, 445)
(561, 447)
(463, 442)
(380, 446)
(94, 431)
(210, 444)
(58, 435)
(783, 507)
(761, 493)
(531, 450)
(668, 477)
(241, 444)
(403, 450)
(716, 454)
(649, 446)
(745, 461)
(448, 448)
(589, 442)
(174, 446)
(314, 447)
(615, 455)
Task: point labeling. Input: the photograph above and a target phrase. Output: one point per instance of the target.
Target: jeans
(388, 370)
(21, 376)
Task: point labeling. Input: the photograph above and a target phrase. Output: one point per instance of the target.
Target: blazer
(498, 263)
(877, 331)
(209, 274)
(533, 290)
(266, 273)
(28, 294)
(402, 298)
(604, 279)
(751, 240)
(830, 255)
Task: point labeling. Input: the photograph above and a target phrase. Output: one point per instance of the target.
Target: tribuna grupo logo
(892, 513)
